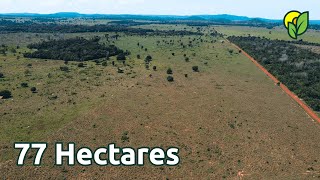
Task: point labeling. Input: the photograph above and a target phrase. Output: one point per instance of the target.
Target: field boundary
(302, 104)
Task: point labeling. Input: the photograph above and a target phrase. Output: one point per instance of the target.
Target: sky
(272, 9)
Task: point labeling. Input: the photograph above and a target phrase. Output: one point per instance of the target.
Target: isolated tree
(1, 75)
(195, 68)
(148, 58)
(33, 89)
(170, 78)
(169, 71)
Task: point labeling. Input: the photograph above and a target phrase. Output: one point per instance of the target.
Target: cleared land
(227, 118)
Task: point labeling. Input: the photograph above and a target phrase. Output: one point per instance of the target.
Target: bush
(195, 68)
(1, 75)
(81, 65)
(105, 63)
(154, 68)
(138, 56)
(64, 68)
(33, 89)
(5, 94)
(169, 71)
(121, 57)
(120, 70)
(170, 78)
(24, 85)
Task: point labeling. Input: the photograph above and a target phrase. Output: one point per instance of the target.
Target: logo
(297, 23)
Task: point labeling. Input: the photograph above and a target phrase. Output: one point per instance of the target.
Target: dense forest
(7, 26)
(297, 68)
(76, 49)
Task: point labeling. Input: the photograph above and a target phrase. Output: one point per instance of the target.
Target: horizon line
(134, 14)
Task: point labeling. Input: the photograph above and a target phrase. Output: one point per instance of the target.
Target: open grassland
(227, 118)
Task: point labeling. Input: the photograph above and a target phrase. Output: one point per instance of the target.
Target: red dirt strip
(308, 110)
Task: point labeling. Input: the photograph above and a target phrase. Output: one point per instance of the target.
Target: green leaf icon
(292, 31)
(302, 23)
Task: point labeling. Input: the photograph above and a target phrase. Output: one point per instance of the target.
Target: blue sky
(274, 9)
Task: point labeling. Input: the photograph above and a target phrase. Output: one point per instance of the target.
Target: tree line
(297, 68)
(33, 27)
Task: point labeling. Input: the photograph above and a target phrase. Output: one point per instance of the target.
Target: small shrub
(24, 85)
(53, 97)
(81, 65)
(187, 59)
(105, 63)
(169, 71)
(170, 78)
(195, 68)
(1, 75)
(120, 70)
(138, 56)
(5, 94)
(64, 68)
(27, 72)
(125, 137)
(154, 68)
